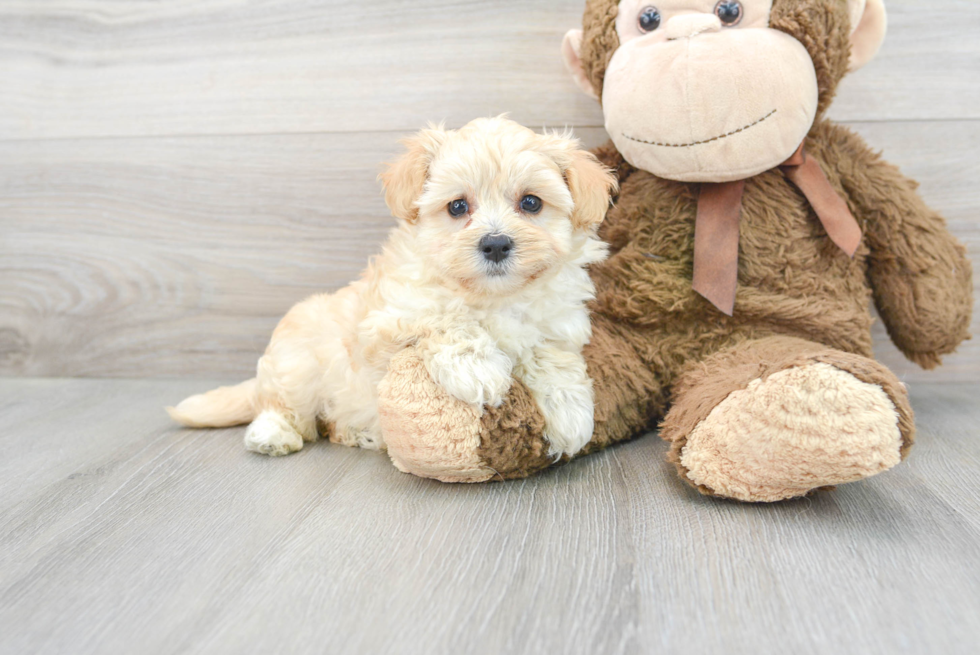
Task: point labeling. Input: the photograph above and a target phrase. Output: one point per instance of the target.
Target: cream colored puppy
(485, 273)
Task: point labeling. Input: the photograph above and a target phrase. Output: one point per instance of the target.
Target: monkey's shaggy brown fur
(800, 299)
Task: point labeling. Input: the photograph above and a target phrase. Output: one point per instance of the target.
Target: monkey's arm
(920, 274)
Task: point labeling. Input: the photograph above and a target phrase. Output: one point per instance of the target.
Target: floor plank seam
(405, 130)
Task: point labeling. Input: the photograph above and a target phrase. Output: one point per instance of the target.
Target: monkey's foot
(431, 434)
(810, 425)
(428, 432)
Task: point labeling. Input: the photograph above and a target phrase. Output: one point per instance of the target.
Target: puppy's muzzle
(496, 247)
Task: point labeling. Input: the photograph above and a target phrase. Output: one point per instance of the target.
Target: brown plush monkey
(707, 104)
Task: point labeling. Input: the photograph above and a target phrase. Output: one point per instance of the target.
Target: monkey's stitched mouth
(698, 143)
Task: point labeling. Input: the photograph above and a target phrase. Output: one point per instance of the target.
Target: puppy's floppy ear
(404, 180)
(592, 186)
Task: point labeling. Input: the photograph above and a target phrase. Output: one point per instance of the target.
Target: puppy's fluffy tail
(221, 408)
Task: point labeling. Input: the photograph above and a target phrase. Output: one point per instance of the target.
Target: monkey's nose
(496, 247)
(687, 26)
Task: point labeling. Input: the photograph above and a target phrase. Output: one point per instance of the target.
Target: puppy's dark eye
(531, 204)
(458, 207)
(649, 19)
(729, 12)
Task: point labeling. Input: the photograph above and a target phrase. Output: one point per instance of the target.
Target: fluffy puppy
(485, 274)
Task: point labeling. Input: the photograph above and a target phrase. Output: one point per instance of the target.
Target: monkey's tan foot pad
(797, 430)
(428, 433)
(433, 435)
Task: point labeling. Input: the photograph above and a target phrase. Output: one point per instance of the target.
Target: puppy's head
(496, 206)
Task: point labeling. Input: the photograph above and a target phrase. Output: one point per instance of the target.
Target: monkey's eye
(531, 204)
(649, 19)
(729, 12)
(458, 207)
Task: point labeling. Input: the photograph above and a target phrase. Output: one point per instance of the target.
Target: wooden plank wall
(173, 176)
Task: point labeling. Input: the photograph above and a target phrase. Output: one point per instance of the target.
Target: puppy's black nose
(496, 247)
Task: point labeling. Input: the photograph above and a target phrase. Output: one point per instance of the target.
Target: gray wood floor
(120, 534)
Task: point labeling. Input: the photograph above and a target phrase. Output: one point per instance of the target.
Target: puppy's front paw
(481, 377)
(271, 434)
(569, 419)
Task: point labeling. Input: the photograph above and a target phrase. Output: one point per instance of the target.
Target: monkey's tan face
(705, 91)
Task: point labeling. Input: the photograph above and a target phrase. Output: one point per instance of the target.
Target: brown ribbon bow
(716, 227)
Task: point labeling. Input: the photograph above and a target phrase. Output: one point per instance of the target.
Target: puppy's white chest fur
(556, 313)
(473, 348)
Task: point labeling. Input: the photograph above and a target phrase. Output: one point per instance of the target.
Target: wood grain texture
(146, 255)
(926, 69)
(121, 534)
(137, 68)
(106, 68)
(187, 248)
(169, 257)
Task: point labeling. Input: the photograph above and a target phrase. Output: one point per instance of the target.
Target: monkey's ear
(869, 22)
(571, 51)
(404, 180)
(592, 185)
